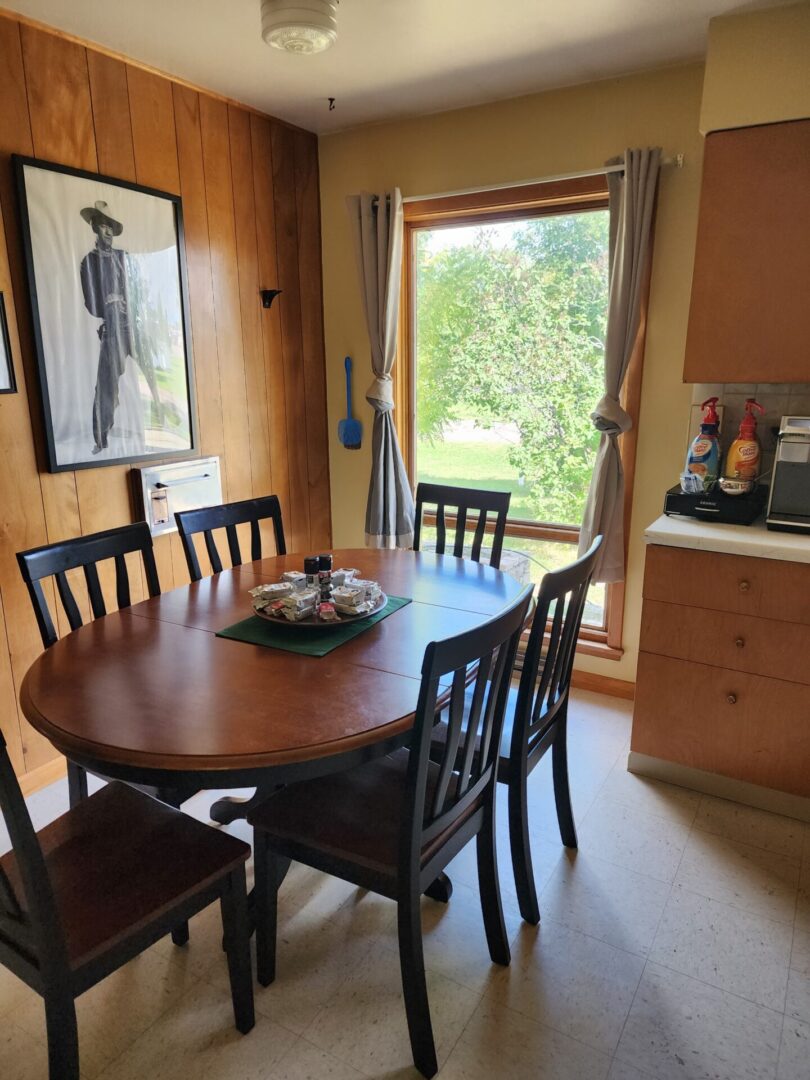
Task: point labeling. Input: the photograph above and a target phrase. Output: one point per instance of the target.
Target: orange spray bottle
(742, 461)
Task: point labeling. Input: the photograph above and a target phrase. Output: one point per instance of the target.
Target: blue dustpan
(350, 431)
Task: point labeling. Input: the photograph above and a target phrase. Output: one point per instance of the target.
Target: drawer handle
(732, 699)
(745, 586)
(739, 642)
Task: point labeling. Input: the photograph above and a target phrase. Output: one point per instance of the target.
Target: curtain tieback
(380, 395)
(610, 418)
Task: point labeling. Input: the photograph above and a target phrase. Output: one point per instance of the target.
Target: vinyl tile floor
(674, 945)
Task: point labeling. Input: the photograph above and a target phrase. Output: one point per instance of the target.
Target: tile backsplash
(778, 400)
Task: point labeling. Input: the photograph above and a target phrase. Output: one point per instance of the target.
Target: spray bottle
(703, 459)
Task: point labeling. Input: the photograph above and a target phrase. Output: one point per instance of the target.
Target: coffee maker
(789, 503)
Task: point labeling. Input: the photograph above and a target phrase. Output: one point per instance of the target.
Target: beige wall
(757, 68)
(541, 135)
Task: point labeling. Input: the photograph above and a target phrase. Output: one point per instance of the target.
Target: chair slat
(122, 592)
(255, 541)
(454, 722)
(94, 591)
(555, 633)
(227, 516)
(47, 629)
(441, 530)
(478, 539)
(465, 769)
(461, 528)
(501, 671)
(233, 545)
(68, 600)
(213, 554)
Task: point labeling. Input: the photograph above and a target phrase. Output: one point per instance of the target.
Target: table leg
(441, 889)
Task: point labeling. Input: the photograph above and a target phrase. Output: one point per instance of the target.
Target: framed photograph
(8, 384)
(107, 276)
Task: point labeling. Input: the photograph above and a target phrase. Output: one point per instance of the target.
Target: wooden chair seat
(119, 860)
(353, 816)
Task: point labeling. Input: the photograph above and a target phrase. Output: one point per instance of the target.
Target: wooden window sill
(600, 649)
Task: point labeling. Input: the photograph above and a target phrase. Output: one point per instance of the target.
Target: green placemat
(257, 631)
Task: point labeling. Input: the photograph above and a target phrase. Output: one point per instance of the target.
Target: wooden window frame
(509, 204)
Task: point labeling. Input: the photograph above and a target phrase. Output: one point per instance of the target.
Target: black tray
(717, 506)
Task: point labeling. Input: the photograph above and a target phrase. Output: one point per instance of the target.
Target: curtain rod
(674, 162)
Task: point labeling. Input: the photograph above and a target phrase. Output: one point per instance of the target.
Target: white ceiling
(394, 57)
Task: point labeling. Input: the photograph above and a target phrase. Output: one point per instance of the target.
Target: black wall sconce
(268, 296)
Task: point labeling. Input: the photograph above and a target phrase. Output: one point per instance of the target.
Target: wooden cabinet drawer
(739, 725)
(780, 650)
(767, 588)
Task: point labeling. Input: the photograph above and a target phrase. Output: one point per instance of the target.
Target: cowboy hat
(95, 215)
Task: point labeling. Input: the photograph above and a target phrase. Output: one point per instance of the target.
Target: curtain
(632, 198)
(377, 227)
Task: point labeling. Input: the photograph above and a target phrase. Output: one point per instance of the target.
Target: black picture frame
(6, 357)
(58, 460)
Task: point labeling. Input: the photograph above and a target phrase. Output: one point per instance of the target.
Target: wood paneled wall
(249, 186)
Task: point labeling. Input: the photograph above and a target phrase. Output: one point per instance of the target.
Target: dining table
(151, 695)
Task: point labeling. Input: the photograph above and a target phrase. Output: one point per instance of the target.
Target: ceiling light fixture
(299, 26)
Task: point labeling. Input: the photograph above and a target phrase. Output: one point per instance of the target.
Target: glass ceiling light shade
(299, 26)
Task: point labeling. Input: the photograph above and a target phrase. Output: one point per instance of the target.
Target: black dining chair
(392, 825)
(227, 517)
(537, 716)
(101, 884)
(461, 503)
(85, 553)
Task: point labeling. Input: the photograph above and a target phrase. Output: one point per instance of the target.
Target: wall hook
(268, 296)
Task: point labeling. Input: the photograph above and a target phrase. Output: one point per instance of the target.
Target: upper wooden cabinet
(749, 319)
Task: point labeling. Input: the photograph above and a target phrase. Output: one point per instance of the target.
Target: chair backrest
(85, 552)
(549, 660)
(31, 934)
(461, 501)
(483, 658)
(227, 517)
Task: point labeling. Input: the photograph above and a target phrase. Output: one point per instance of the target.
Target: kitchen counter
(754, 540)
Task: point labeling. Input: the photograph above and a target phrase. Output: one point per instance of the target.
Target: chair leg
(77, 783)
(521, 851)
(267, 874)
(180, 934)
(562, 791)
(414, 985)
(63, 1036)
(236, 928)
(489, 888)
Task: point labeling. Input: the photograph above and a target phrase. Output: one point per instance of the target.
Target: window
(503, 350)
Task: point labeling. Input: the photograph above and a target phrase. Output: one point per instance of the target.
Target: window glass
(509, 333)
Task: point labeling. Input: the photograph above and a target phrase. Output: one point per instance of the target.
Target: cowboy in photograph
(105, 285)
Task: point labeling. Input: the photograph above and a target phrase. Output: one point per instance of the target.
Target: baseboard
(724, 787)
(603, 684)
(43, 775)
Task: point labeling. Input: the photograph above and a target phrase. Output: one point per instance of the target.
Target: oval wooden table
(151, 695)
